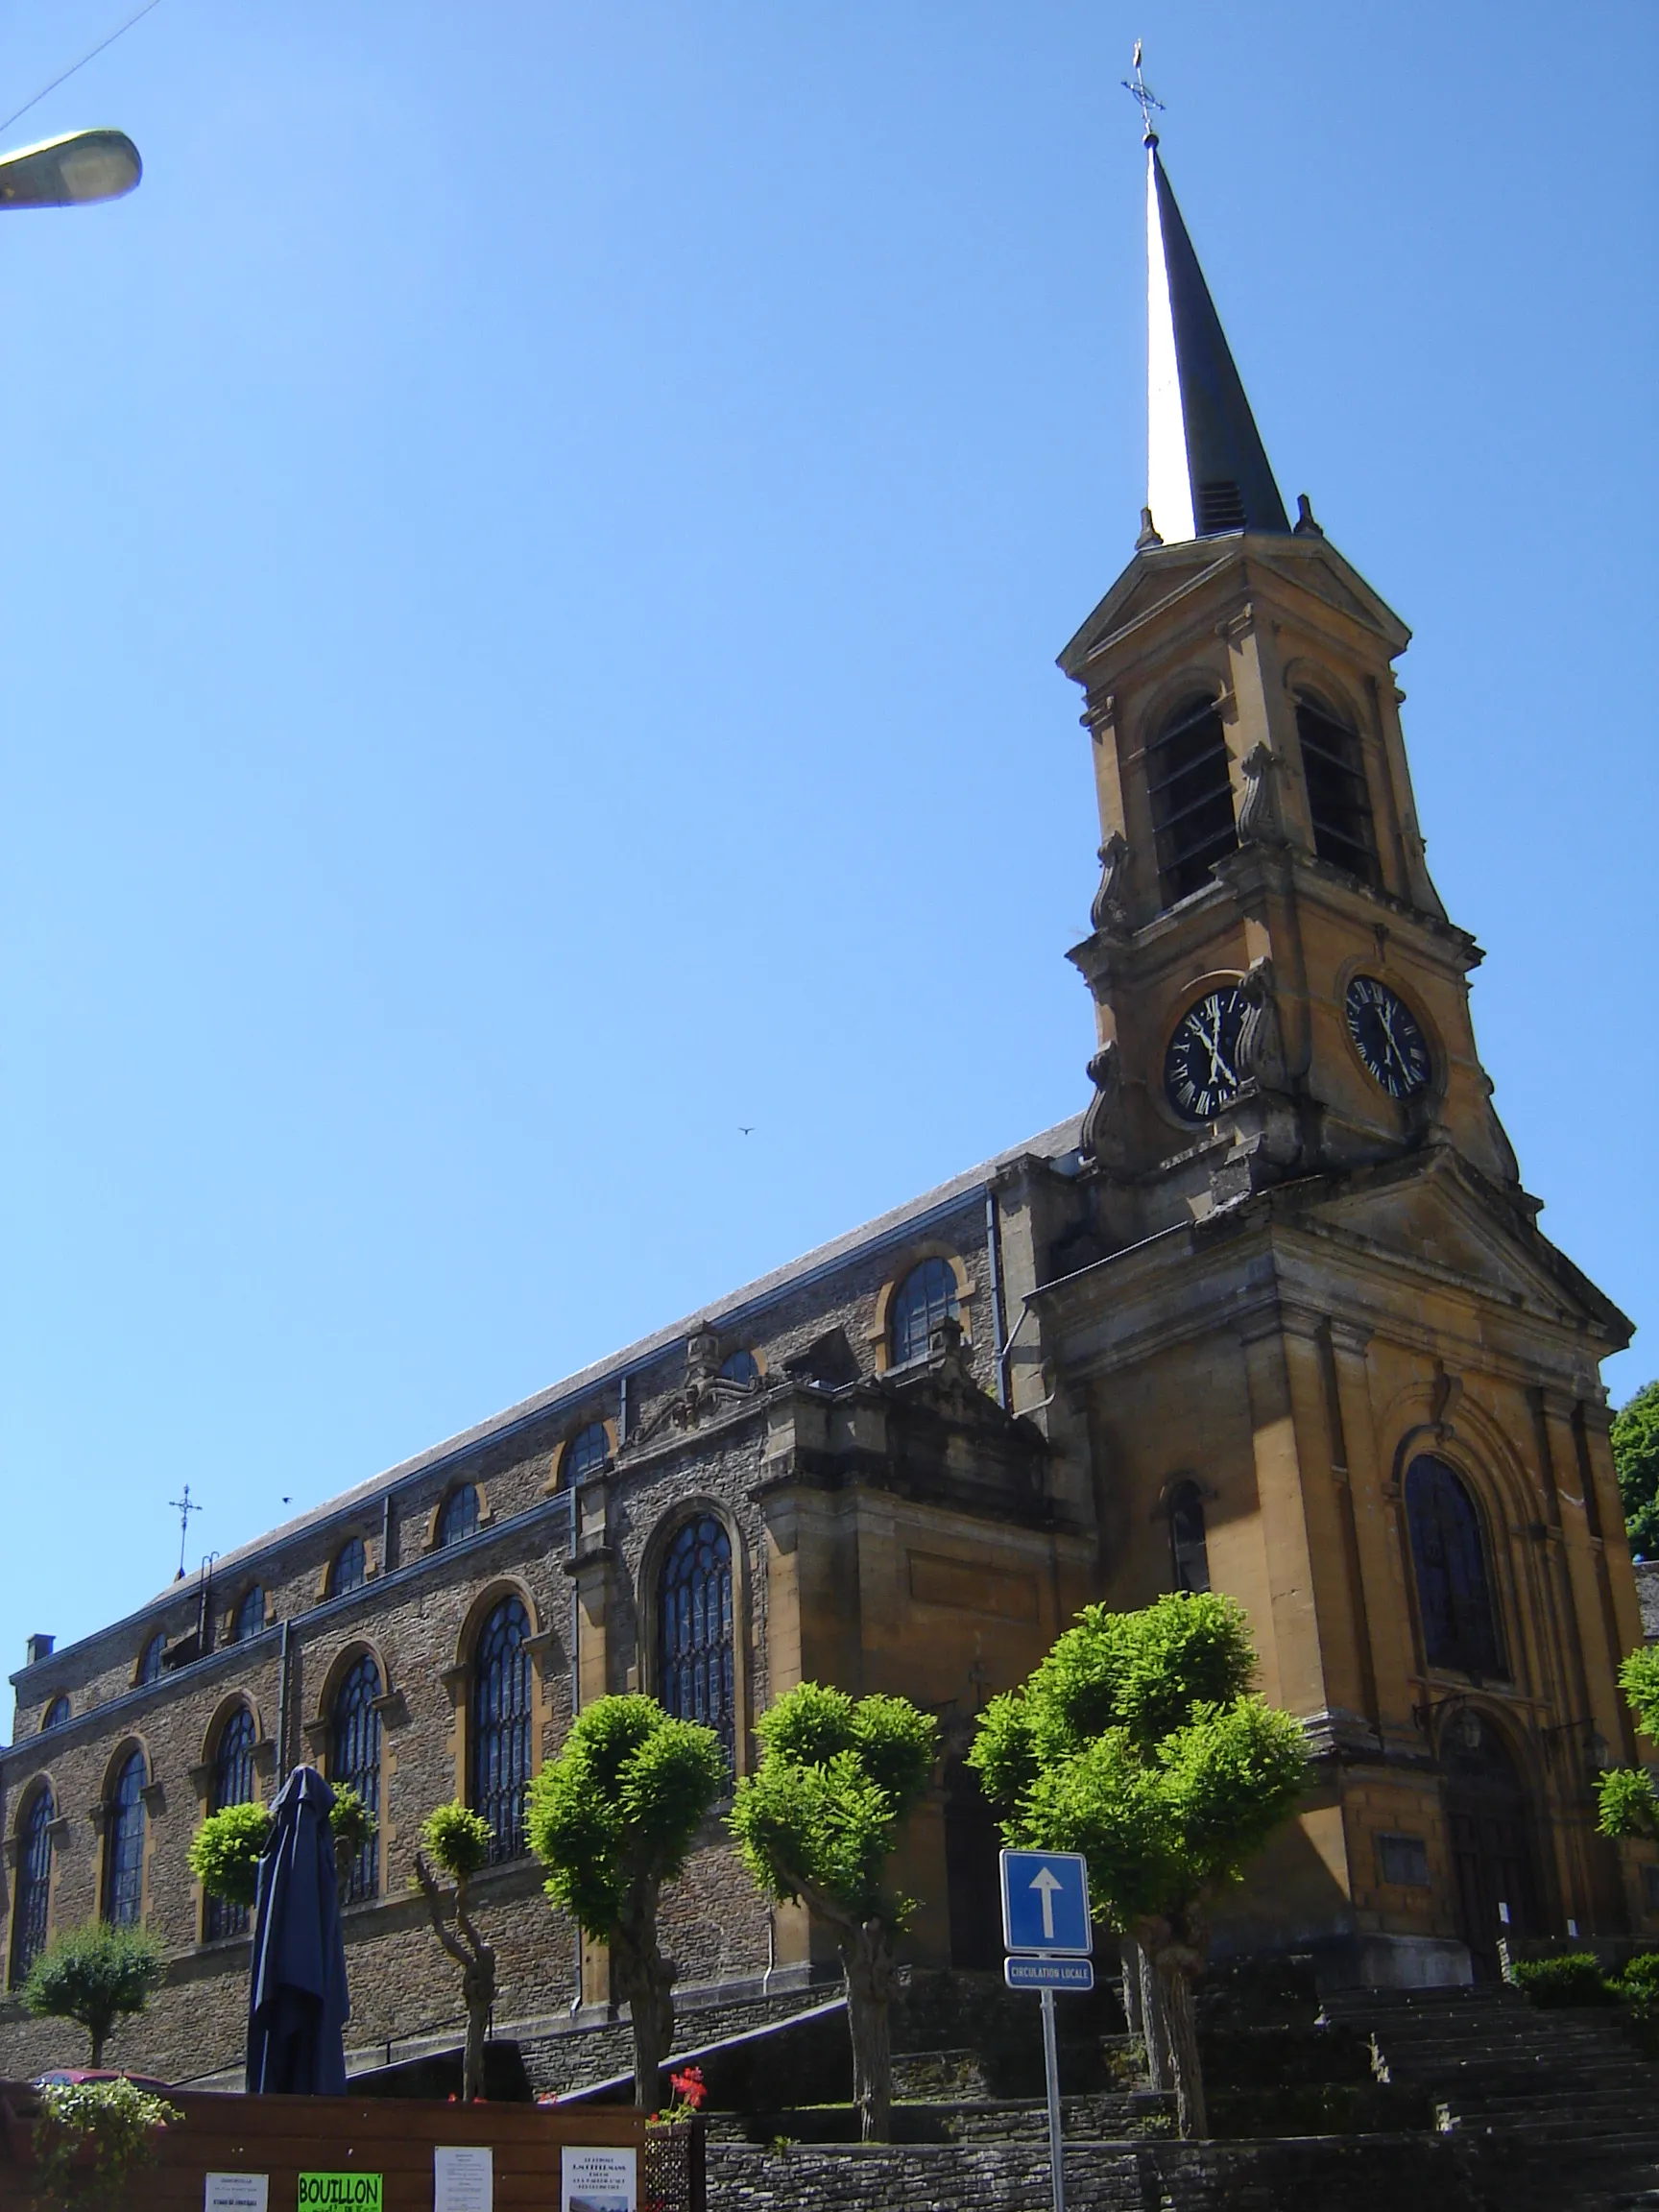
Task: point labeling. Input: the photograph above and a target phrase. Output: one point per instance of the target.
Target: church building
(1271, 1316)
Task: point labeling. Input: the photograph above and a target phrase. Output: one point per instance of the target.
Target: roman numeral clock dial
(1388, 1036)
(1201, 1071)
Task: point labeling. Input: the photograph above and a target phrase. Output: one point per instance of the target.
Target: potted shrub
(90, 2136)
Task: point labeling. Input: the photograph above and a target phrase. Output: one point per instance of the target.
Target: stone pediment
(1439, 1212)
(1156, 578)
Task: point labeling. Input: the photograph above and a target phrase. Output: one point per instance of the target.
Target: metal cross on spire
(183, 1506)
(1138, 89)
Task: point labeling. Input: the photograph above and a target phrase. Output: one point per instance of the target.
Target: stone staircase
(1566, 2087)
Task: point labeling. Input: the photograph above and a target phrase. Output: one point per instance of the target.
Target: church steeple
(1206, 469)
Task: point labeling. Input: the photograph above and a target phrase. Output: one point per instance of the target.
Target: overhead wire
(92, 56)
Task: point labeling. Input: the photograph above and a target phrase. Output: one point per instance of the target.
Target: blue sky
(537, 542)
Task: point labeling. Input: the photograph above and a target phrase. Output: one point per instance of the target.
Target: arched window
(1448, 1552)
(233, 1784)
(1189, 1548)
(1338, 797)
(149, 1660)
(56, 1714)
(501, 1759)
(695, 1664)
(249, 1618)
(350, 1567)
(926, 1296)
(1190, 782)
(741, 1367)
(586, 1454)
(458, 1515)
(33, 1893)
(354, 1759)
(124, 1845)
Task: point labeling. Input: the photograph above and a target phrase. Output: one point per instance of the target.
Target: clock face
(1388, 1036)
(1201, 1066)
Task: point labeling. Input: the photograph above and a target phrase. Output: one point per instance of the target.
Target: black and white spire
(1206, 467)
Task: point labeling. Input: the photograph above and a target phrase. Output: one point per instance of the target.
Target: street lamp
(69, 172)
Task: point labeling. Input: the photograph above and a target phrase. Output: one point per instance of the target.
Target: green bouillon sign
(339, 2192)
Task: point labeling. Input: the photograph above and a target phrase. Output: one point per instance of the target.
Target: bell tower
(1278, 989)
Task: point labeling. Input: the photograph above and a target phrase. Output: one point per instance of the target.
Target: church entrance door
(1487, 1826)
(973, 1881)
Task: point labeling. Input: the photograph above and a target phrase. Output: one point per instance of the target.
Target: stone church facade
(1272, 1317)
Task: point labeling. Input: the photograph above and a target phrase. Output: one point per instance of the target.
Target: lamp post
(71, 171)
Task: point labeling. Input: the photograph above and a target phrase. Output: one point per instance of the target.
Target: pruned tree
(818, 1821)
(1137, 1743)
(96, 1975)
(226, 1850)
(612, 1818)
(1629, 1806)
(1635, 1441)
(459, 1842)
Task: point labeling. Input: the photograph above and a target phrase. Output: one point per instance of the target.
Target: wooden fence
(284, 2137)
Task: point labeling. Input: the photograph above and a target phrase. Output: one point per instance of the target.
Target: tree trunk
(1176, 1949)
(1129, 1962)
(97, 2029)
(646, 1980)
(1154, 2026)
(868, 1959)
(478, 2005)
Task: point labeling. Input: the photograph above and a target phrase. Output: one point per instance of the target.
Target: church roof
(1206, 469)
(725, 1314)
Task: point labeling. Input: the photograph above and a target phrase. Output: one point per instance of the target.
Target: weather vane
(1138, 89)
(183, 1506)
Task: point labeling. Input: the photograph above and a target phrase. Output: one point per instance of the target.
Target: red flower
(690, 2086)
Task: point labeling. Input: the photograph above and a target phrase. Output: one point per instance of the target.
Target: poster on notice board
(595, 2181)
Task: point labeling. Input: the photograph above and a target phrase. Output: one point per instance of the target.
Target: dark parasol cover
(297, 2004)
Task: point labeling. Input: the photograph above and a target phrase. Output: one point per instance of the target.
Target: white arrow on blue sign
(1046, 1902)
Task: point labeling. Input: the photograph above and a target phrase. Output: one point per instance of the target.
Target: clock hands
(1218, 1068)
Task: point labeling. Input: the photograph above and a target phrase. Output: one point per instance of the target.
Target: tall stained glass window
(124, 1845)
(232, 1785)
(33, 1893)
(501, 1744)
(694, 1644)
(1454, 1592)
(1189, 1545)
(354, 1759)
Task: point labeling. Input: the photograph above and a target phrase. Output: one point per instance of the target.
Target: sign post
(1048, 1934)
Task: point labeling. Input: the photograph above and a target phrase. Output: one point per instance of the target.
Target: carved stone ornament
(1259, 822)
(1110, 912)
(1260, 1037)
(1101, 1137)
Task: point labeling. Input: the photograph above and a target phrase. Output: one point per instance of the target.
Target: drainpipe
(621, 1411)
(282, 1699)
(998, 1320)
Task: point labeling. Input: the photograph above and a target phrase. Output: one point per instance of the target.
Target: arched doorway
(1488, 1828)
(973, 1883)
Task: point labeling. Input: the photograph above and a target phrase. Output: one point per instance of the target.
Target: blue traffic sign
(1048, 1973)
(1046, 1902)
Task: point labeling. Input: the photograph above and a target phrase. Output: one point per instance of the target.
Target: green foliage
(837, 1779)
(119, 2119)
(1639, 1679)
(1572, 1977)
(1628, 1807)
(1136, 1742)
(457, 1840)
(225, 1852)
(351, 1821)
(1640, 1975)
(620, 1805)
(1635, 1438)
(95, 1975)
